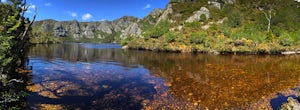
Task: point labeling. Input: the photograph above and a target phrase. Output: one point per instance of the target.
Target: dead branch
(24, 9)
(30, 24)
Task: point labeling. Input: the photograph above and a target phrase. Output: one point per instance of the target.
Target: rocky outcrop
(176, 1)
(124, 22)
(165, 14)
(78, 30)
(59, 30)
(197, 15)
(153, 16)
(106, 27)
(75, 29)
(126, 26)
(229, 1)
(89, 30)
(133, 31)
(218, 3)
(215, 4)
(156, 12)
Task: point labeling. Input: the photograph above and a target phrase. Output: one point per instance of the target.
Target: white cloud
(87, 16)
(297, 0)
(147, 6)
(30, 8)
(73, 14)
(48, 4)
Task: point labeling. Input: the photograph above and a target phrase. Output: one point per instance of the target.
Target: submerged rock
(292, 104)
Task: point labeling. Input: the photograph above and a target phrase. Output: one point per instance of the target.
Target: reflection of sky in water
(158, 79)
(40, 66)
(100, 46)
(101, 83)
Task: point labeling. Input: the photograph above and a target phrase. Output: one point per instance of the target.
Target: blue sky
(92, 10)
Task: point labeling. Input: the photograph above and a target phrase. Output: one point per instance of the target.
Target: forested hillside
(222, 26)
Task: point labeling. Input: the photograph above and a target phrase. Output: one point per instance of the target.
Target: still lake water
(104, 76)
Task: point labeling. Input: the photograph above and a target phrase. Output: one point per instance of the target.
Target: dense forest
(13, 46)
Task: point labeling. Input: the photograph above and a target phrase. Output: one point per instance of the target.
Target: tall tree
(13, 45)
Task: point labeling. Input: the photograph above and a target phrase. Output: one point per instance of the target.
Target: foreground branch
(24, 9)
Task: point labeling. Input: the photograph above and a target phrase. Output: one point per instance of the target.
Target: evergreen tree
(13, 45)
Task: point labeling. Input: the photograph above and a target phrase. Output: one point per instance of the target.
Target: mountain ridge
(77, 30)
(217, 26)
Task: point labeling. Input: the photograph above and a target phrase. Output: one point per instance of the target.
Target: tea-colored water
(99, 76)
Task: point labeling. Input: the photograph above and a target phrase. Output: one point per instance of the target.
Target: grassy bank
(226, 47)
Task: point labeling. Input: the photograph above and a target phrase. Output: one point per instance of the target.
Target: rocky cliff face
(124, 27)
(77, 30)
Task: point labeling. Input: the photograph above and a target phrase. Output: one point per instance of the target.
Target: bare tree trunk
(268, 17)
(24, 9)
(30, 24)
(269, 20)
(269, 24)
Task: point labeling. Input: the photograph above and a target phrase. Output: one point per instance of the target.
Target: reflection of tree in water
(75, 52)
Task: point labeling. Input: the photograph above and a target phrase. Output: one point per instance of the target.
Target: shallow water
(103, 76)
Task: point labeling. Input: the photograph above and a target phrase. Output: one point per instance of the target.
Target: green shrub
(203, 18)
(45, 40)
(193, 25)
(238, 34)
(146, 37)
(170, 37)
(125, 41)
(270, 36)
(296, 37)
(158, 30)
(186, 9)
(198, 38)
(249, 31)
(285, 39)
(234, 18)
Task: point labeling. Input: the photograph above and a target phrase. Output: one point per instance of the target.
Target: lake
(85, 76)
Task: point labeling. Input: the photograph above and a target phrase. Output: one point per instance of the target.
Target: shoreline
(270, 48)
(282, 50)
(216, 52)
